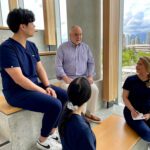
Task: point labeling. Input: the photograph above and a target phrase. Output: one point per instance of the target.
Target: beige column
(111, 11)
(49, 22)
(13, 4)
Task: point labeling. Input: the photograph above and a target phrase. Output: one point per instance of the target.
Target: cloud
(136, 16)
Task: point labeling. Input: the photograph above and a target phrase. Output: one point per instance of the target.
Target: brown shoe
(92, 118)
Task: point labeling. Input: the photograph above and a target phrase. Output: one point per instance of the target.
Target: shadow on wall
(49, 65)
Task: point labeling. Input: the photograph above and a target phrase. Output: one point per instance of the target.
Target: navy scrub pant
(141, 127)
(39, 102)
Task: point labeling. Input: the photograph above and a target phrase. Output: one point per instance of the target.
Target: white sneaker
(55, 136)
(49, 144)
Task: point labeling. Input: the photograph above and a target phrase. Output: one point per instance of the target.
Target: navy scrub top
(78, 135)
(139, 93)
(13, 54)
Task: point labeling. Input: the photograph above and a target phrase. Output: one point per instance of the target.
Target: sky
(136, 16)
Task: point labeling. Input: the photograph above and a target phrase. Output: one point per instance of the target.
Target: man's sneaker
(55, 136)
(49, 144)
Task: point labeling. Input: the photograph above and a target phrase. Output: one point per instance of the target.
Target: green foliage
(130, 56)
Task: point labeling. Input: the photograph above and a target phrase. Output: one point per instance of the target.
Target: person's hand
(67, 79)
(90, 79)
(134, 113)
(51, 92)
(147, 116)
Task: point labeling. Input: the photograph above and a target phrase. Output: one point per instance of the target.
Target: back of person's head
(19, 16)
(79, 92)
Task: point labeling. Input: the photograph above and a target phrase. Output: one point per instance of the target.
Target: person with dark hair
(21, 68)
(136, 96)
(75, 131)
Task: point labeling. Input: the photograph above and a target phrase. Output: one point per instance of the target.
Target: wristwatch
(47, 86)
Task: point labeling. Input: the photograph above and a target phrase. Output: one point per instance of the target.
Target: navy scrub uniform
(13, 54)
(139, 96)
(78, 135)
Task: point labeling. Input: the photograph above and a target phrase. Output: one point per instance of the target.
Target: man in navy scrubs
(21, 68)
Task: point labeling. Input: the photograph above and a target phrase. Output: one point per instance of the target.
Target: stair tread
(3, 140)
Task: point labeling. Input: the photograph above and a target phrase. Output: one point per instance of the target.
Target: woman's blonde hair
(146, 61)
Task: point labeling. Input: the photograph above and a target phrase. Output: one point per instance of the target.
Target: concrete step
(4, 143)
(141, 145)
(22, 134)
(6, 147)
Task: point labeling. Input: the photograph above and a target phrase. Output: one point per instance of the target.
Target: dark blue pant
(141, 127)
(39, 102)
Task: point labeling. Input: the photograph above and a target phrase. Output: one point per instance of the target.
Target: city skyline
(140, 38)
(136, 16)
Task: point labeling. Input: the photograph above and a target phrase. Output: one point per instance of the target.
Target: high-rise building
(132, 41)
(124, 41)
(128, 42)
(148, 38)
(137, 40)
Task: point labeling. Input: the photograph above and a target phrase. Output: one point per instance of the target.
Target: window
(4, 12)
(33, 5)
(63, 20)
(37, 8)
(136, 37)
